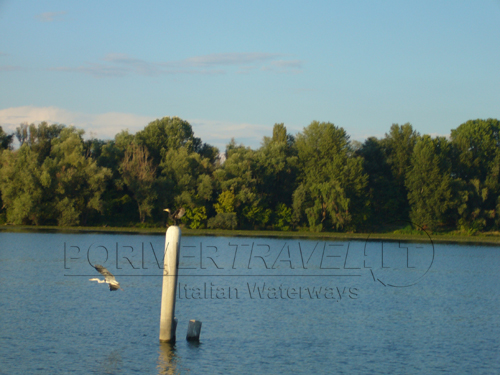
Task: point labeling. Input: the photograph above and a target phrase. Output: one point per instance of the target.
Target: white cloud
(103, 126)
(119, 65)
(219, 133)
(50, 16)
(216, 59)
(285, 66)
(435, 135)
(9, 68)
(107, 125)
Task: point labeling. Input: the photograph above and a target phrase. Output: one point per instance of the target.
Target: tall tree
(332, 182)
(277, 167)
(429, 182)
(5, 144)
(167, 133)
(24, 187)
(382, 190)
(138, 173)
(119, 205)
(76, 181)
(39, 137)
(476, 147)
(5, 140)
(238, 174)
(187, 182)
(475, 143)
(398, 145)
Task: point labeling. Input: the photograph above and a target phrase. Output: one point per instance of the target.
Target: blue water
(267, 306)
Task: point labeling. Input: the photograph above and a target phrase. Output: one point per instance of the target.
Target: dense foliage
(317, 180)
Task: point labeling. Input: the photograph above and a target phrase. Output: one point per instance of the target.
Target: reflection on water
(194, 345)
(167, 359)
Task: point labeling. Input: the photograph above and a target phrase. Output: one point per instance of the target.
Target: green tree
(479, 201)
(476, 150)
(226, 220)
(138, 173)
(5, 140)
(239, 174)
(332, 182)
(168, 133)
(5, 144)
(382, 189)
(63, 187)
(473, 212)
(24, 186)
(398, 145)
(284, 217)
(186, 181)
(77, 182)
(26, 183)
(225, 203)
(119, 206)
(429, 182)
(39, 137)
(276, 169)
(226, 217)
(22, 133)
(196, 217)
(476, 144)
(493, 184)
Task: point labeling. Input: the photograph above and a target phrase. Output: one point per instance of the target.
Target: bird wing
(104, 271)
(114, 286)
(180, 213)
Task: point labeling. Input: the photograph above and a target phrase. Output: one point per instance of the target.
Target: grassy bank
(450, 237)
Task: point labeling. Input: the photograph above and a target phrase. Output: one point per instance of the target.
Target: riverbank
(479, 238)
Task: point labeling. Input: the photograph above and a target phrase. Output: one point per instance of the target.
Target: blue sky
(234, 69)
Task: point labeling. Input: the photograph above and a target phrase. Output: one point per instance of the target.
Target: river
(268, 306)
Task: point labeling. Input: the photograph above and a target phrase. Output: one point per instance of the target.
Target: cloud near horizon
(50, 16)
(9, 68)
(120, 65)
(104, 126)
(107, 125)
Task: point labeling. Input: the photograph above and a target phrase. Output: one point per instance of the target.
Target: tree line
(319, 179)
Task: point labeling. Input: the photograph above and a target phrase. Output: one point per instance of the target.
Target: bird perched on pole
(176, 215)
(108, 278)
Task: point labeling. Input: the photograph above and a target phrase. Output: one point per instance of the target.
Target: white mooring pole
(168, 323)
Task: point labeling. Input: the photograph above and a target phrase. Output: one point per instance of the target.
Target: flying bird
(108, 278)
(176, 215)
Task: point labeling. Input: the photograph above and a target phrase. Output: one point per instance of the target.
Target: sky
(235, 68)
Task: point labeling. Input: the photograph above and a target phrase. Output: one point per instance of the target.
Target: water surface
(267, 306)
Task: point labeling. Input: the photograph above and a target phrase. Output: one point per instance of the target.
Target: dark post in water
(194, 330)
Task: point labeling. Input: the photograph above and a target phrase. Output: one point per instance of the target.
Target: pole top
(174, 230)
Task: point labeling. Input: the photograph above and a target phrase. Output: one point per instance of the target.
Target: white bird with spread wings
(108, 278)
